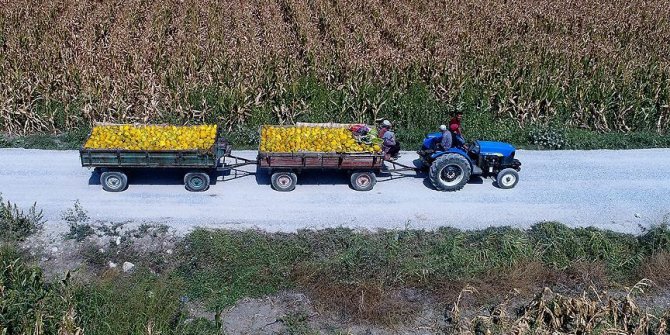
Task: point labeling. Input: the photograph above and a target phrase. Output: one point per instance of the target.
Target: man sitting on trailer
(390, 146)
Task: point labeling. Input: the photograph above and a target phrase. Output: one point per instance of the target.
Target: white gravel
(618, 190)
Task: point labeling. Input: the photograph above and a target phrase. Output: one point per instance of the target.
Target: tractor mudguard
(430, 140)
(454, 150)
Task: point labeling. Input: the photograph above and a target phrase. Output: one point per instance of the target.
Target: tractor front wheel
(450, 172)
(507, 178)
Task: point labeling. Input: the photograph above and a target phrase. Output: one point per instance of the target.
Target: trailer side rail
(316, 160)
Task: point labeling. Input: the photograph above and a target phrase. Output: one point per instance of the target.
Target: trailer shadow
(309, 177)
(94, 179)
(152, 177)
(262, 177)
(341, 177)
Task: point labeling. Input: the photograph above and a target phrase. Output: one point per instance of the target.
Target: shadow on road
(306, 177)
(309, 177)
(153, 177)
(476, 180)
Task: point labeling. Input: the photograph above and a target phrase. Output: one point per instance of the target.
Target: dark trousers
(394, 149)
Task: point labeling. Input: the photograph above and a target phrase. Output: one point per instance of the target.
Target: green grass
(410, 138)
(17, 224)
(129, 305)
(67, 140)
(222, 268)
(224, 265)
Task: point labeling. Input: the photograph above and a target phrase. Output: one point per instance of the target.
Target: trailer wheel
(284, 181)
(363, 181)
(113, 181)
(196, 181)
(507, 178)
(450, 172)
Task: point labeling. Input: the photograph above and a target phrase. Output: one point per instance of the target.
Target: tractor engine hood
(495, 148)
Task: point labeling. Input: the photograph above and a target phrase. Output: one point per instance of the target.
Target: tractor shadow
(153, 176)
(476, 180)
(495, 184)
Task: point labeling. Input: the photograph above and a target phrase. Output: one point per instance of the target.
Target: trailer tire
(507, 178)
(113, 181)
(284, 181)
(450, 172)
(363, 181)
(196, 181)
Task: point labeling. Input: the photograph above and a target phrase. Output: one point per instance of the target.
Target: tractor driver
(458, 140)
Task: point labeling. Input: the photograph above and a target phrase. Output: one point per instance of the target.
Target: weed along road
(618, 190)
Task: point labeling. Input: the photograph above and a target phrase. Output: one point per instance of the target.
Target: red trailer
(284, 167)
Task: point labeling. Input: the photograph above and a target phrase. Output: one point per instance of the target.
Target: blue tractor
(450, 170)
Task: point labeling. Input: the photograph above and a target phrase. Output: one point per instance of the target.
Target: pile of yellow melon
(152, 137)
(312, 139)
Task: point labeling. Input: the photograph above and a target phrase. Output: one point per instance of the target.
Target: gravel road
(618, 190)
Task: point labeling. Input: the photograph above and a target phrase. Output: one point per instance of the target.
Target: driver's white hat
(443, 127)
(386, 123)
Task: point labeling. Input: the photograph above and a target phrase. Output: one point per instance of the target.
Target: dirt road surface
(617, 190)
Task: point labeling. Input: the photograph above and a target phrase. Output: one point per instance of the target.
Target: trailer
(198, 166)
(284, 167)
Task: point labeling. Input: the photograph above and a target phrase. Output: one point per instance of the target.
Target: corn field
(600, 65)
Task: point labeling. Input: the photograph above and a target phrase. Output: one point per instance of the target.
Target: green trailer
(198, 166)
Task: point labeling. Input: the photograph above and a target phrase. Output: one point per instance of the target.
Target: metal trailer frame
(362, 167)
(198, 165)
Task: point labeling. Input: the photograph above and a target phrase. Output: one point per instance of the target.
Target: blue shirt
(446, 141)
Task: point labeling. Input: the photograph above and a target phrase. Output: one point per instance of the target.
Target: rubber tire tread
(276, 175)
(191, 175)
(121, 175)
(355, 175)
(503, 172)
(442, 162)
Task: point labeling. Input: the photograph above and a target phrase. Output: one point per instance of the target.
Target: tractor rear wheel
(507, 178)
(450, 172)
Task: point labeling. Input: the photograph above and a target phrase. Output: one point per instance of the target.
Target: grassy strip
(69, 140)
(336, 267)
(247, 139)
(238, 264)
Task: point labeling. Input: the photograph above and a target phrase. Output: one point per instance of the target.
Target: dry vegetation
(550, 279)
(596, 64)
